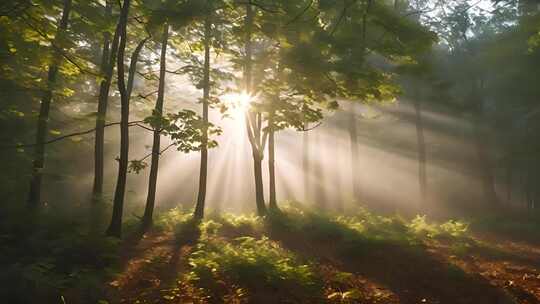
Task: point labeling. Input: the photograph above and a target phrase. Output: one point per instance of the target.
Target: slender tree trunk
(156, 149)
(271, 164)
(422, 175)
(353, 136)
(254, 119)
(485, 174)
(203, 172)
(107, 66)
(34, 195)
(259, 194)
(509, 179)
(115, 227)
(319, 174)
(337, 189)
(528, 192)
(353, 133)
(305, 164)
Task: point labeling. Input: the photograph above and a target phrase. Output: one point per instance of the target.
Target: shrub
(251, 263)
(453, 229)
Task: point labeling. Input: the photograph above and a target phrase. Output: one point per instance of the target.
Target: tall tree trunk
(337, 189)
(115, 227)
(420, 141)
(107, 66)
(203, 172)
(271, 164)
(509, 178)
(156, 149)
(484, 167)
(305, 164)
(254, 120)
(486, 176)
(34, 195)
(353, 136)
(353, 133)
(259, 194)
(318, 172)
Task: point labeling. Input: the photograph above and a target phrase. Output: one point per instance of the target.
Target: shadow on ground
(409, 271)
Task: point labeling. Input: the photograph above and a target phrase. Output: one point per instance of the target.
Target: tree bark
(259, 194)
(485, 174)
(509, 179)
(422, 174)
(203, 171)
(158, 110)
(254, 120)
(107, 67)
(305, 164)
(115, 227)
(34, 196)
(271, 164)
(353, 137)
(319, 174)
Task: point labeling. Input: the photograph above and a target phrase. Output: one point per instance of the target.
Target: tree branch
(132, 123)
(309, 129)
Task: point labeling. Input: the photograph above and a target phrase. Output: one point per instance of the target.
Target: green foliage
(136, 166)
(56, 253)
(185, 128)
(167, 221)
(251, 263)
(454, 229)
(524, 227)
(241, 220)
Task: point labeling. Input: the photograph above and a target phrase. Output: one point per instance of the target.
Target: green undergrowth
(362, 228)
(233, 259)
(255, 268)
(242, 258)
(275, 258)
(521, 227)
(50, 254)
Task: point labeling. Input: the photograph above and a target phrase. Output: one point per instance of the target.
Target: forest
(270, 151)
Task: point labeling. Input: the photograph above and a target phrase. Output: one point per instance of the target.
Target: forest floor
(293, 256)
(299, 257)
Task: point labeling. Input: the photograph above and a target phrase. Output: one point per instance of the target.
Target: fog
(386, 166)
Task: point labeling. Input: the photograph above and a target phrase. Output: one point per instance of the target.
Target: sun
(237, 103)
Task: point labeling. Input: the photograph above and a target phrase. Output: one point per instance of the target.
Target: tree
(192, 130)
(254, 124)
(34, 195)
(462, 30)
(199, 207)
(115, 227)
(156, 150)
(108, 59)
(363, 67)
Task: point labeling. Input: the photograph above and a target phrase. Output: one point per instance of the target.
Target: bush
(253, 264)
(451, 229)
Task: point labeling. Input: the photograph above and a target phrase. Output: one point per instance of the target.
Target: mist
(299, 151)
